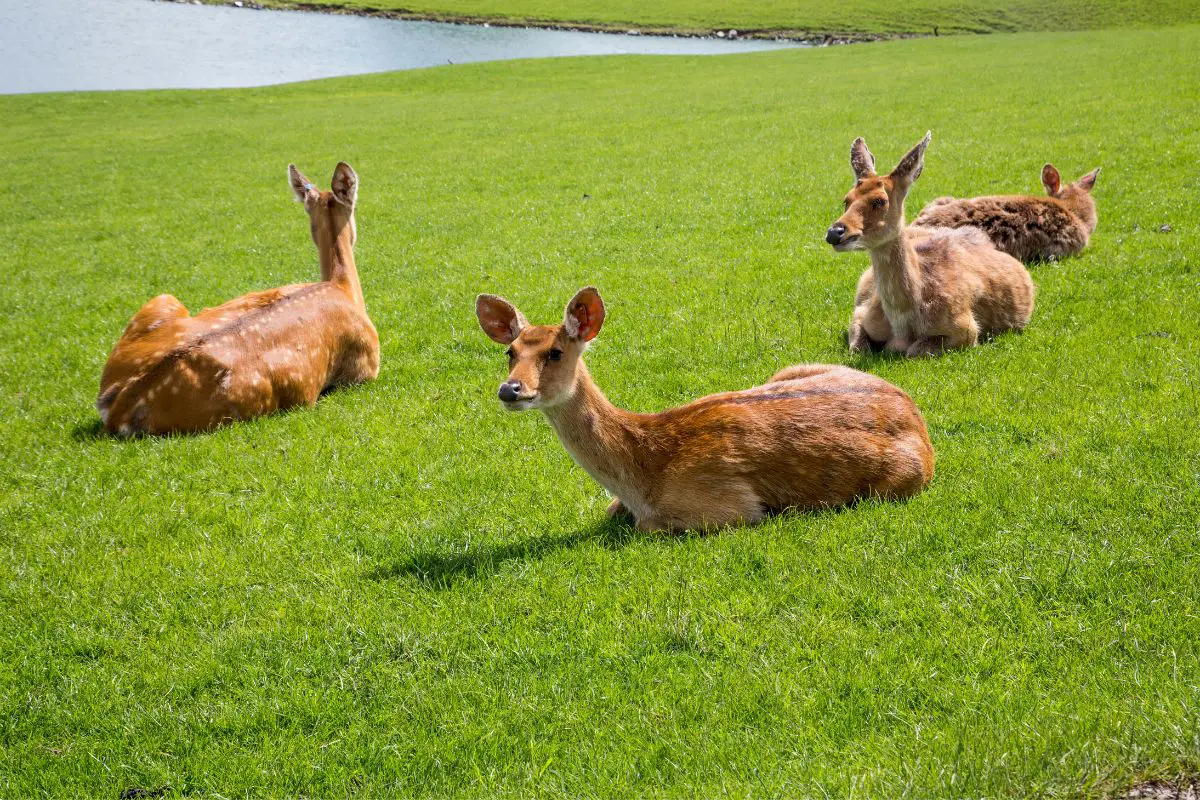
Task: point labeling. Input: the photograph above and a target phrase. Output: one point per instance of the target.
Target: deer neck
(1085, 209)
(337, 263)
(898, 281)
(602, 438)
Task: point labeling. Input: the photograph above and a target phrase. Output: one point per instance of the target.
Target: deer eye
(555, 354)
(878, 202)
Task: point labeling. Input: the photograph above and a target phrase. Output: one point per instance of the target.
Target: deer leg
(652, 524)
(858, 340)
(616, 508)
(708, 502)
(927, 346)
(366, 366)
(357, 366)
(964, 334)
(869, 327)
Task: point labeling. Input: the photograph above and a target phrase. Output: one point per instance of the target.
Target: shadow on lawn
(865, 361)
(88, 431)
(440, 570)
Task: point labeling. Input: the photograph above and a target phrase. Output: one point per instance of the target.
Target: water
(65, 45)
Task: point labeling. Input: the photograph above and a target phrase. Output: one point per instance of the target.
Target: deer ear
(909, 168)
(585, 315)
(1051, 179)
(301, 185)
(344, 184)
(499, 318)
(1088, 181)
(861, 160)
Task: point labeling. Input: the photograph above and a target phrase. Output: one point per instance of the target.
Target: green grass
(407, 591)
(800, 17)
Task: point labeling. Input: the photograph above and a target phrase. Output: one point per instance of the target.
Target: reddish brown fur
(1026, 227)
(814, 436)
(171, 372)
(927, 290)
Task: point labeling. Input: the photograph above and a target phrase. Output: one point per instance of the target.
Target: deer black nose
(835, 233)
(509, 391)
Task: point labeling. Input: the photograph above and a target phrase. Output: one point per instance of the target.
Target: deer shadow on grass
(88, 431)
(439, 570)
(436, 569)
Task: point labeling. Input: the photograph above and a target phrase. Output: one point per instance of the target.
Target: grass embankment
(793, 18)
(408, 591)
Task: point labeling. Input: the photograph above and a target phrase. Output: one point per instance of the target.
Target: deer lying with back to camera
(1027, 227)
(264, 351)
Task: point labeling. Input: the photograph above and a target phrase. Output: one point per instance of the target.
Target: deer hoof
(616, 508)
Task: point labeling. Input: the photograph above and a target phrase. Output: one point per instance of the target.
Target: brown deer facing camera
(814, 436)
(172, 372)
(1028, 228)
(926, 291)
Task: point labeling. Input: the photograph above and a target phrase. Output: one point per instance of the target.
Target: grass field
(798, 17)
(406, 591)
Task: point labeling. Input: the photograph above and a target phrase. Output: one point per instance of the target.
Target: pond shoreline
(139, 44)
(812, 38)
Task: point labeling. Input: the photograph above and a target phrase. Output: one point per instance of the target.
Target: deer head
(1054, 187)
(542, 359)
(875, 206)
(1077, 196)
(330, 212)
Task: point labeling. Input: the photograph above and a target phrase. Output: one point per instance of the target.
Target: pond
(67, 45)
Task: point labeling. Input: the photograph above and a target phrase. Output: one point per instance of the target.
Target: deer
(1026, 227)
(814, 437)
(171, 372)
(927, 290)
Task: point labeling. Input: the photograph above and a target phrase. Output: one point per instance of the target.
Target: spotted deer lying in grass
(814, 436)
(927, 290)
(172, 372)
(1026, 227)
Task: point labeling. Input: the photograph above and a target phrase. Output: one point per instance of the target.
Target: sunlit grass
(407, 591)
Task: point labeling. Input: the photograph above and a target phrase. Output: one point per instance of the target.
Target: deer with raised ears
(1027, 227)
(815, 436)
(261, 352)
(927, 290)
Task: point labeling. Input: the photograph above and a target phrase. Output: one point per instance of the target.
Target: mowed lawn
(408, 591)
(799, 17)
